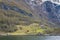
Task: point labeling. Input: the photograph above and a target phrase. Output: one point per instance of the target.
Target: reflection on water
(53, 38)
(29, 37)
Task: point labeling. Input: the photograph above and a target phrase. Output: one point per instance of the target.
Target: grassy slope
(20, 24)
(19, 18)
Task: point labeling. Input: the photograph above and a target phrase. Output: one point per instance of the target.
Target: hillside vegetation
(19, 20)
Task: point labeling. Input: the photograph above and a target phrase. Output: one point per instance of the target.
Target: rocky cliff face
(52, 10)
(47, 10)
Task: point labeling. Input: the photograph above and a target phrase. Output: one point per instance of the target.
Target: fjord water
(29, 37)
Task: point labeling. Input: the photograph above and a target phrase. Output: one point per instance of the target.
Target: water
(29, 37)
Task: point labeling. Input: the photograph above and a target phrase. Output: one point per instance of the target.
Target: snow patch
(53, 1)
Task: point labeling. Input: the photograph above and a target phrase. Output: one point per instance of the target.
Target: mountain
(12, 15)
(52, 11)
(17, 16)
(46, 11)
(13, 8)
(29, 16)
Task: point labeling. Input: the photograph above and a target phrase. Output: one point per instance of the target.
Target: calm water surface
(29, 37)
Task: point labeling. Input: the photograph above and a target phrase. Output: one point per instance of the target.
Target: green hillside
(18, 19)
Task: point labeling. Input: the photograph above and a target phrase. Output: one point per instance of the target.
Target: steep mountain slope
(52, 12)
(12, 15)
(29, 17)
(46, 11)
(17, 19)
